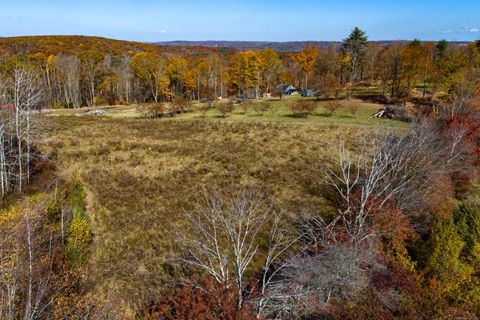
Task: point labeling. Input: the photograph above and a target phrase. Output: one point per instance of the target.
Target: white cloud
(447, 31)
(474, 30)
(163, 31)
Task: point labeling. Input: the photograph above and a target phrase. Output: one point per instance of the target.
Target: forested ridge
(28, 45)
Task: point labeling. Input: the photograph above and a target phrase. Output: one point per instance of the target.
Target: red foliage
(465, 120)
(397, 278)
(211, 301)
(471, 125)
(462, 178)
(393, 228)
(386, 220)
(7, 107)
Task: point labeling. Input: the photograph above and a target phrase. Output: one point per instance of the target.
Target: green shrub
(79, 235)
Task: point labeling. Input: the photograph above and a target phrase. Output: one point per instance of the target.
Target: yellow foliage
(8, 216)
(307, 59)
(79, 229)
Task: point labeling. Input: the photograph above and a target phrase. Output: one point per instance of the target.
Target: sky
(255, 20)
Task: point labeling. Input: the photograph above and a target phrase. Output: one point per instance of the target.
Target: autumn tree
(354, 47)
(245, 73)
(370, 62)
(450, 62)
(307, 60)
(150, 69)
(121, 67)
(66, 76)
(91, 61)
(331, 86)
(270, 66)
(414, 59)
(388, 69)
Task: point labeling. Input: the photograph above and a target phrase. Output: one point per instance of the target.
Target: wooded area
(74, 74)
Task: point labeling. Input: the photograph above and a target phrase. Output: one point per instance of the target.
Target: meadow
(142, 176)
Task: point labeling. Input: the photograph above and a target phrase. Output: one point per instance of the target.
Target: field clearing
(279, 113)
(143, 175)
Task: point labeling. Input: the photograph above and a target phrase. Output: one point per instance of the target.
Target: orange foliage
(210, 302)
(393, 228)
(53, 45)
(441, 198)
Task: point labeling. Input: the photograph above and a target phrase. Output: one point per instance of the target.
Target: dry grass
(143, 175)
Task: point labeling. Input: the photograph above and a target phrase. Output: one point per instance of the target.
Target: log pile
(391, 112)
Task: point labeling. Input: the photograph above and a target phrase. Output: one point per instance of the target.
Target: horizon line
(210, 40)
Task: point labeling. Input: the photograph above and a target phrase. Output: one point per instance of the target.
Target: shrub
(246, 105)
(261, 107)
(79, 237)
(332, 106)
(79, 229)
(353, 108)
(210, 300)
(467, 220)
(452, 276)
(225, 108)
(79, 234)
(205, 107)
(152, 111)
(181, 105)
(331, 86)
(302, 108)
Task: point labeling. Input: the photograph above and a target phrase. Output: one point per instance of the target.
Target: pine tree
(354, 46)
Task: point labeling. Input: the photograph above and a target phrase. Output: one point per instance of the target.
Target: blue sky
(280, 20)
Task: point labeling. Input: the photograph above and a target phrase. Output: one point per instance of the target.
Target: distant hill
(29, 45)
(252, 45)
(291, 46)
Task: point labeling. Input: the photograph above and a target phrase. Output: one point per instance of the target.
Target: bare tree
(402, 168)
(26, 95)
(224, 237)
(91, 61)
(308, 283)
(124, 76)
(26, 265)
(21, 95)
(67, 77)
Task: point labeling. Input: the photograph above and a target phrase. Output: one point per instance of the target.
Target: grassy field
(279, 113)
(143, 175)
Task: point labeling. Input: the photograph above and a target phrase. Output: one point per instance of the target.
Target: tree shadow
(296, 116)
(373, 98)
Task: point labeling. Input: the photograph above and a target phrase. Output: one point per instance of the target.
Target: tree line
(92, 76)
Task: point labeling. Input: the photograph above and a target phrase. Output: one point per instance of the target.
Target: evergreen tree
(354, 47)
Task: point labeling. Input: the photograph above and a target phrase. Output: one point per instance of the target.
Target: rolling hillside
(29, 45)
